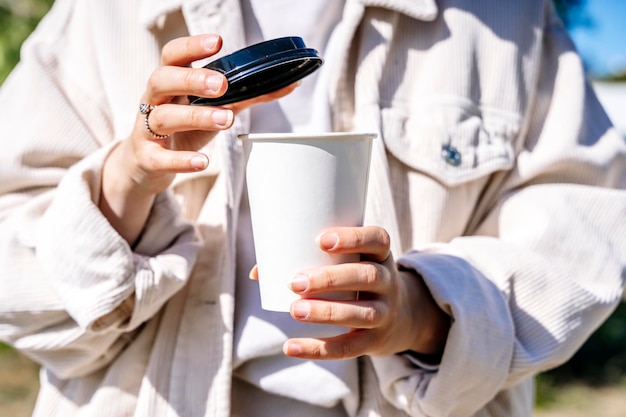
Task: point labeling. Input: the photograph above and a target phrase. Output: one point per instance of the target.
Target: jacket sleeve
(72, 291)
(546, 265)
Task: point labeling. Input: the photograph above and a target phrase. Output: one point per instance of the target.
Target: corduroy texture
(497, 174)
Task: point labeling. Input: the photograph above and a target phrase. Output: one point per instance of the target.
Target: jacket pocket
(452, 142)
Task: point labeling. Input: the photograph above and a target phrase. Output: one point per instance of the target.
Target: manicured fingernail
(301, 310)
(299, 283)
(214, 82)
(292, 349)
(222, 117)
(199, 162)
(210, 42)
(254, 273)
(328, 240)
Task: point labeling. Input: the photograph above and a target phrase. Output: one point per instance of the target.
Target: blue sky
(602, 41)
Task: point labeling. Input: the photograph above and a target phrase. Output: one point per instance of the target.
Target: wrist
(123, 201)
(431, 323)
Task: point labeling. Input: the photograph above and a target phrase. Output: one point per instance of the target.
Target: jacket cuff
(480, 342)
(92, 269)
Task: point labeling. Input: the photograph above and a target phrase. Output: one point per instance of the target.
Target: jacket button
(451, 155)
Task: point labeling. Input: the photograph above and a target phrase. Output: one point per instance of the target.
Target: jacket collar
(426, 10)
(151, 10)
(417, 9)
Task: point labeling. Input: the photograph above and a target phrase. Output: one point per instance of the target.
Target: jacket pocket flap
(452, 143)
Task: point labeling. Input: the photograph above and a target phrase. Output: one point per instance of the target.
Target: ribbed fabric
(496, 171)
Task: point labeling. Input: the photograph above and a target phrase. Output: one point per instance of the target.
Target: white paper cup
(298, 186)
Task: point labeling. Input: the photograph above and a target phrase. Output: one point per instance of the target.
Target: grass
(555, 397)
(581, 400)
(19, 382)
(592, 383)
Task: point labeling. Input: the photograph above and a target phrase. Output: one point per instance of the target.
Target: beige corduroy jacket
(498, 176)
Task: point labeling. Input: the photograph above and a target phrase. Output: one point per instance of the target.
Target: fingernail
(199, 162)
(328, 240)
(301, 310)
(293, 349)
(214, 82)
(299, 283)
(254, 273)
(222, 117)
(210, 41)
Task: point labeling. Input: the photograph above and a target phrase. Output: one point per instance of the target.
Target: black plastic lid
(262, 68)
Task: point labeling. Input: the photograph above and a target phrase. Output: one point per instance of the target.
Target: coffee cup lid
(261, 69)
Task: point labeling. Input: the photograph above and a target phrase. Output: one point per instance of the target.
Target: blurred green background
(592, 383)
(17, 19)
